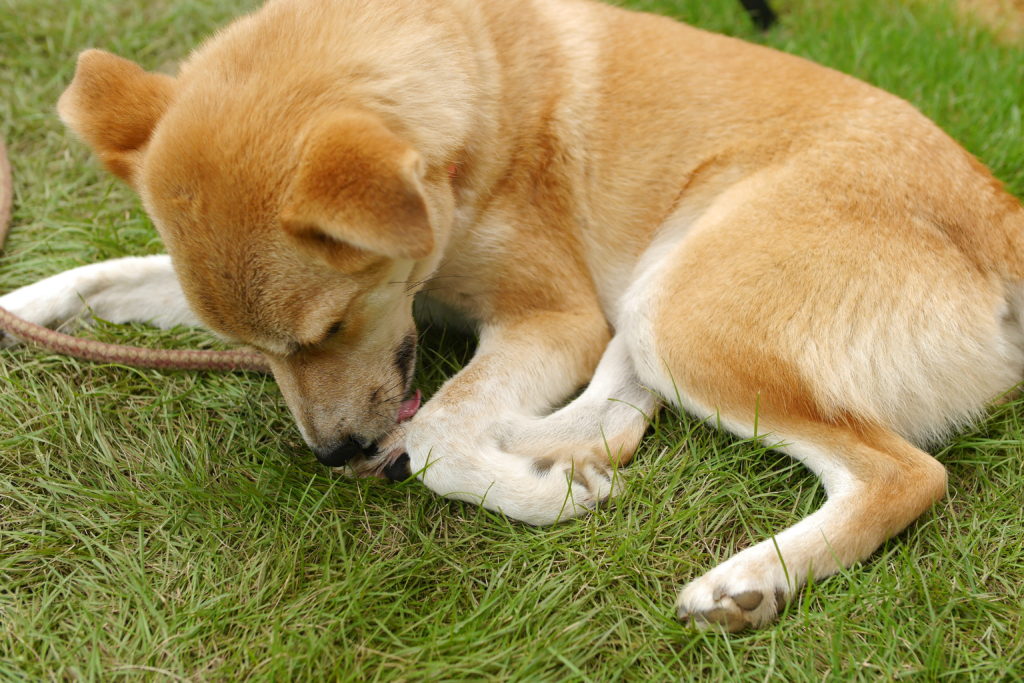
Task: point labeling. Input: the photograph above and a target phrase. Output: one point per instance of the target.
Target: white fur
(612, 403)
(457, 447)
(131, 289)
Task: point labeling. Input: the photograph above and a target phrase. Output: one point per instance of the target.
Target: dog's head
(298, 223)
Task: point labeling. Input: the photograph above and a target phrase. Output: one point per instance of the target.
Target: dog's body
(607, 196)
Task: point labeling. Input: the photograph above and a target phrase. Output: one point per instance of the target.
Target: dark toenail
(748, 600)
(399, 469)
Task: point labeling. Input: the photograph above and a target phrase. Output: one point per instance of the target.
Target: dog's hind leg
(804, 337)
(132, 289)
(877, 484)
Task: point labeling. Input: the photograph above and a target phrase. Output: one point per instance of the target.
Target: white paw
(459, 459)
(746, 591)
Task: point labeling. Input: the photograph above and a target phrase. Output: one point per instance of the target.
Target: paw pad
(748, 600)
(728, 619)
(731, 612)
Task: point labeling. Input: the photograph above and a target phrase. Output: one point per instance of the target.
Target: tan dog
(609, 197)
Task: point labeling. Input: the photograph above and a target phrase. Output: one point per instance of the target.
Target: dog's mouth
(399, 469)
(356, 446)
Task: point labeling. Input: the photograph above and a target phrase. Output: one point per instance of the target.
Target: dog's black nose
(340, 455)
(399, 469)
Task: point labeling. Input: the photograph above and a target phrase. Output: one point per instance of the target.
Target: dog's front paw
(746, 591)
(594, 480)
(462, 459)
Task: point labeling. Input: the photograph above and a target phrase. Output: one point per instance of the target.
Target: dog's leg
(838, 359)
(454, 443)
(876, 483)
(600, 429)
(132, 289)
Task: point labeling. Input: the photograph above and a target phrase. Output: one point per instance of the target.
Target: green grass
(173, 524)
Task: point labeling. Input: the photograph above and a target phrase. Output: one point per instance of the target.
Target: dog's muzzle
(340, 455)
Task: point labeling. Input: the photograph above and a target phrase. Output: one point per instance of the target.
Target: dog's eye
(334, 329)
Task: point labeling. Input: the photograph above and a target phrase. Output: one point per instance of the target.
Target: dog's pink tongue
(409, 407)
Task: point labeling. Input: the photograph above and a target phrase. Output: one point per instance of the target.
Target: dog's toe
(590, 485)
(727, 619)
(602, 481)
(736, 595)
(748, 600)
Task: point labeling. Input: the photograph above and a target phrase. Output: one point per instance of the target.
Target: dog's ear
(113, 105)
(359, 184)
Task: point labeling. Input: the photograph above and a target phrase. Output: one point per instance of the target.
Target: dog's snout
(338, 456)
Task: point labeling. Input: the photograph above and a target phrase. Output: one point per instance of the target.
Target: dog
(611, 200)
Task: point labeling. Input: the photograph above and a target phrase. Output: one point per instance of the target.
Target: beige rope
(87, 349)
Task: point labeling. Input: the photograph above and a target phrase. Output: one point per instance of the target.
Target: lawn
(172, 524)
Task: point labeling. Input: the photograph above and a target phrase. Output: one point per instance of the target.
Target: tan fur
(118, 133)
(776, 246)
(358, 184)
(1004, 17)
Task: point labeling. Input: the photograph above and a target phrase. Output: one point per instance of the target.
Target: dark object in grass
(760, 13)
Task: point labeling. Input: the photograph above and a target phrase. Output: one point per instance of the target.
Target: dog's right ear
(359, 185)
(113, 105)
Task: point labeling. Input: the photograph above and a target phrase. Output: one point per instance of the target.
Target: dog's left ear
(114, 105)
(359, 184)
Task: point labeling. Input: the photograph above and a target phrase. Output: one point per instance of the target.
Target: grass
(172, 524)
